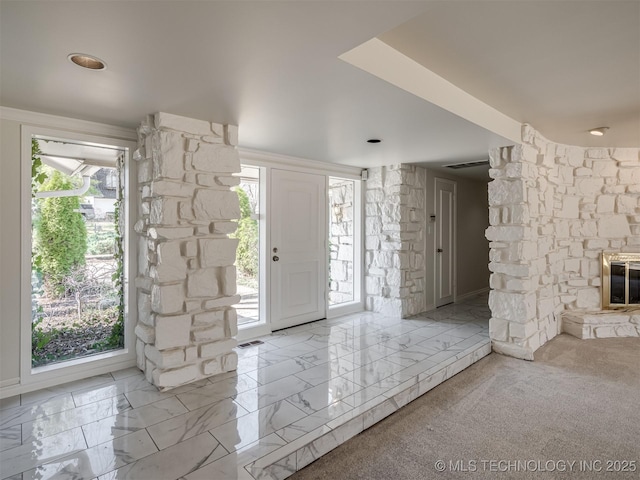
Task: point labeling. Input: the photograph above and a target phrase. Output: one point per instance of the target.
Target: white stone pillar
(516, 262)
(187, 278)
(394, 240)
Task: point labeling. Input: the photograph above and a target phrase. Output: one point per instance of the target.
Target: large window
(248, 252)
(77, 298)
(77, 255)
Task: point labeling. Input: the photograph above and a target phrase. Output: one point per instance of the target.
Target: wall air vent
(250, 344)
(457, 166)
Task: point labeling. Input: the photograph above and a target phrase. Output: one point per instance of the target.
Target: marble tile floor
(294, 398)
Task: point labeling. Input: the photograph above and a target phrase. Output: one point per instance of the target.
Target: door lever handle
(276, 258)
(439, 250)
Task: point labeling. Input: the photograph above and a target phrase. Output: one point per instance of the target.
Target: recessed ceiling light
(374, 140)
(87, 61)
(598, 132)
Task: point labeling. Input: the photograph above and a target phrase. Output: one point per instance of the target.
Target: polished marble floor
(301, 393)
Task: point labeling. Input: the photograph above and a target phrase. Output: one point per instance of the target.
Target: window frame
(49, 375)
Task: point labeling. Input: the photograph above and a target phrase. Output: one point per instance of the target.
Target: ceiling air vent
(457, 166)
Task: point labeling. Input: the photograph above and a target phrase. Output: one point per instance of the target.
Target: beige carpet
(578, 402)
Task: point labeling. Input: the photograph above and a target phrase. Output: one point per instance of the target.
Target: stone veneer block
(215, 158)
(218, 348)
(229, 362)
(221, 302)
(168, 158)
(209, 318)
(169, 233)
(186, 262)
(217, 252)
(167, 379)
(203, 283)
(614, 226)
(145, 334)
(167, 298)
(171, 266)
(172, 188)
(189, 125)
(502, 192)
(164, 211)
(211, 334)
(231, 135)
(210, 205)
(517, 307)
(172, 331)
(165, 358)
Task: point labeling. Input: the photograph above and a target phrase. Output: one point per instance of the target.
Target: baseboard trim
(20, 388)
(428, 308)
(9, 382)
(465, 296)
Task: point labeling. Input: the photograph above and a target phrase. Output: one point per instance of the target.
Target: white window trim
(55, 374)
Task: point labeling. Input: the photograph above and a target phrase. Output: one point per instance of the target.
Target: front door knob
(276, 258)
(439, 250)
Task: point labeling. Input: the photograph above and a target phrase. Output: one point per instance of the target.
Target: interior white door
(298, 248)
(445, 253)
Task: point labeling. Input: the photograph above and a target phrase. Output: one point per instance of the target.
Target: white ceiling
(562, 66)
(273, 69)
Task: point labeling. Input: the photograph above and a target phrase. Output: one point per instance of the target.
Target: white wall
(472, 248)
(9, 251)
(472, 245)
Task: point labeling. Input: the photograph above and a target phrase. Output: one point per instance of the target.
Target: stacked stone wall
(395, 224)
(341, 241)
(187, 278)
(553, 210)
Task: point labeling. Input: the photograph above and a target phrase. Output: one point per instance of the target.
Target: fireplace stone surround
(553, 210)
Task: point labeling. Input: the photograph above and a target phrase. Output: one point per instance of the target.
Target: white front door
(297, 250)
(445, 254)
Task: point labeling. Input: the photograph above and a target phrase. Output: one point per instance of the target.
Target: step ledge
(294, 456)
(617, 323)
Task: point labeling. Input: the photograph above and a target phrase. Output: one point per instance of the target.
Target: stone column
(515, 261)
(526, 259)
(187, 278)
(394, 241)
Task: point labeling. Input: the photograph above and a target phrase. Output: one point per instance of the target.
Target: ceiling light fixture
(87, 61)
(598, 132)
(374, 140)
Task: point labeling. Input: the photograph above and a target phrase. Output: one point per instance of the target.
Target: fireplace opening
(620, 279)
